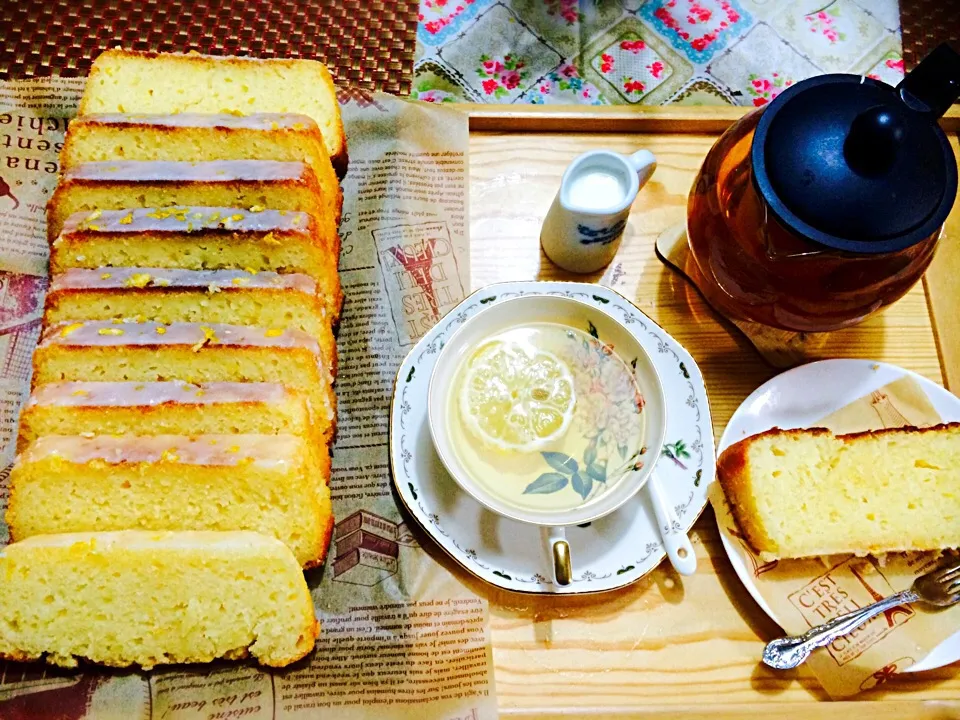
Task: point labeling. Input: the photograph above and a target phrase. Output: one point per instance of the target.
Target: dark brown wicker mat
(368, 43)
(926, 24)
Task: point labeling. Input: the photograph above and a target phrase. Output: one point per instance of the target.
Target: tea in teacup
(545, 417)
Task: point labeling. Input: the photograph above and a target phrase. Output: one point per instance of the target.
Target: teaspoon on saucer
(675, 541)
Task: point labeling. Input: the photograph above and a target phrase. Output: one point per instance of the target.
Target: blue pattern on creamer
(601, 235)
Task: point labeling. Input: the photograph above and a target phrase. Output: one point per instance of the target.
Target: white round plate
(799, 398)
(610, 552)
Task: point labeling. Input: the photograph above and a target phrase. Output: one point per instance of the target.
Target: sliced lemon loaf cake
(266, 483)
(125, 184)
(118, 599)
(236, 297)
(202, 238)
(193, 137)
(127, 81)
(107, 351)
(802, 493)
(167, 408)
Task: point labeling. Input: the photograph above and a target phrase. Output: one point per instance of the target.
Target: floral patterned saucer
(610, 552)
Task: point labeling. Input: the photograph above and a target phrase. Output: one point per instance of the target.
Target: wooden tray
(661, 648)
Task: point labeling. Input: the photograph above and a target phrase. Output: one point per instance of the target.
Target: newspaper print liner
(609, 553)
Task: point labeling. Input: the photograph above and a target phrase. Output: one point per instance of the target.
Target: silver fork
(940, 587)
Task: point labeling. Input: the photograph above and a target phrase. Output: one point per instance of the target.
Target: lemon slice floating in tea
(516, 397)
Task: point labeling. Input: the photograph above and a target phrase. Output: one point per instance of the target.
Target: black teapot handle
(933, 85)
(877, 133)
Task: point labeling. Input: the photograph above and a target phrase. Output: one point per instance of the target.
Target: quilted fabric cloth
(699, 52)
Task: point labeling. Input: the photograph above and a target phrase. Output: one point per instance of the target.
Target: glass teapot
(826, 205)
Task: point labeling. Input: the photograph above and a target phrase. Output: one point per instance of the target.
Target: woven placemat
(926, 24)
(366, 43)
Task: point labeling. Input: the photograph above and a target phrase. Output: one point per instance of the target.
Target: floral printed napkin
(652, 52)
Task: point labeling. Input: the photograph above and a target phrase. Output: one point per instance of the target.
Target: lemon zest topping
(209, 336)
(138, 280)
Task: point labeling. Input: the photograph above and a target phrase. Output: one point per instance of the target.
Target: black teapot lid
(855, 164)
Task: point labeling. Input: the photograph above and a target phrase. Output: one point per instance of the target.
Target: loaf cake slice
(127, 81)
(105, 351)
(193, 137)
(169, 408)
(236, 297)
(126, 184)
(202, 238)
(265, 483)
(146, 598)
(802, 493)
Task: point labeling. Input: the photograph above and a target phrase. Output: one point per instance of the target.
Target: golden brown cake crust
(111, 356)
(310, 635)
(734, 473)
(55, 297)
(325, 538)
(276, 631)
(734, 478)
(339, 157)
(149, 413)
(81, 128)
(68, 186)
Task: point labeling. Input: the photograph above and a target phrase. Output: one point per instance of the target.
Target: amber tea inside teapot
(826, 205)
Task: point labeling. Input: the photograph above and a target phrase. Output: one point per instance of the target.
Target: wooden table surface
(664, 647)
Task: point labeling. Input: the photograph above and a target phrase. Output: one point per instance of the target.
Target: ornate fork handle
(788, 652)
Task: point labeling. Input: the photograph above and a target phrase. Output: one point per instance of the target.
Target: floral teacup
(617, 445)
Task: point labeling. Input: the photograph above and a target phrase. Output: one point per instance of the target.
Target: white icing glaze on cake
(263, 451)
(107, 333)
(182, 218)
(150, 394)
(202, 541)
(254, 121)
(150, 278)
(179, 171)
